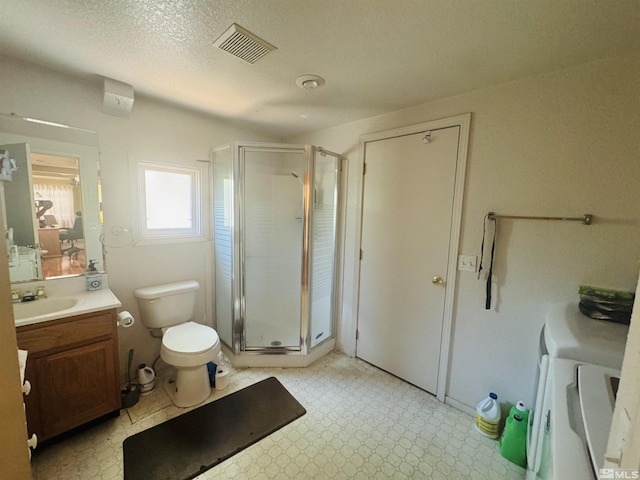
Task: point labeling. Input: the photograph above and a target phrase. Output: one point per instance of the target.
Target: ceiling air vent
(243, 44)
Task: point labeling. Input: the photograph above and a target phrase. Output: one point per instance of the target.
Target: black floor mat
(186, 446)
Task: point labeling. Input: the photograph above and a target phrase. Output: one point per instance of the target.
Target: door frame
(464, 122)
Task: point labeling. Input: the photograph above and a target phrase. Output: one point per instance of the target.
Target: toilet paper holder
(125, 319)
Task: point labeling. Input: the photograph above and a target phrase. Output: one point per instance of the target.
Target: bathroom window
(169, 199)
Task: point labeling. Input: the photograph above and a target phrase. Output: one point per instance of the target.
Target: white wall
(559, 144)
(155, 132)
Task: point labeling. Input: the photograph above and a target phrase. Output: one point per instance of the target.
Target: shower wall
(275, 249)
(323, 253)
(223, 243)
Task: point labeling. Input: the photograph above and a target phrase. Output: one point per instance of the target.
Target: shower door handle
(437, 280)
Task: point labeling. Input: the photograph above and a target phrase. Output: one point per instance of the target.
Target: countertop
(63, 300)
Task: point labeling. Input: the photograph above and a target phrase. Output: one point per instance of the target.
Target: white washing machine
(579, 361)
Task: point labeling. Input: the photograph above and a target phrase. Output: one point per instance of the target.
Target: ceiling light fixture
(309, 82)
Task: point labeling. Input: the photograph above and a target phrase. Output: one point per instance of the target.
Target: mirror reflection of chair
(71, 235)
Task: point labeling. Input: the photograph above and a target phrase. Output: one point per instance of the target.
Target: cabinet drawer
(60, 334)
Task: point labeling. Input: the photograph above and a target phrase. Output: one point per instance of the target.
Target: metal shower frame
(237, 159)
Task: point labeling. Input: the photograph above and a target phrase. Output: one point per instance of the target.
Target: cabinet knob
(32, 443)
(26, 387)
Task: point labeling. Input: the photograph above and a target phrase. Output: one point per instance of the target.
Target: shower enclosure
(276, 251)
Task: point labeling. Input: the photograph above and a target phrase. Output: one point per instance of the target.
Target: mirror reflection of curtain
(62, 198)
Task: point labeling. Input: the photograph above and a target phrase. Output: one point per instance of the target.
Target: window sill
(145, 241)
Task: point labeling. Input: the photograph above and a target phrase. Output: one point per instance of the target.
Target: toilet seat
(189, 344)
(189, 337)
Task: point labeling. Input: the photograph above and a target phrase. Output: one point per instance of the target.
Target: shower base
(274, 357)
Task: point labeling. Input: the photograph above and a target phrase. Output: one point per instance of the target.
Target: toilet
(186, 345)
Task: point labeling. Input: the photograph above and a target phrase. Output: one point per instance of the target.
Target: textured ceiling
(376, 55)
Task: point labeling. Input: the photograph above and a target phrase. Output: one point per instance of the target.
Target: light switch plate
(467, 263)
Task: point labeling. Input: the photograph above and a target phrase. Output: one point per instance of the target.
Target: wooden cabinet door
(79, 387)
(73, 369)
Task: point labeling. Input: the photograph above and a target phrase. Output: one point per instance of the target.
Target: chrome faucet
(28, 296)
(18, 296)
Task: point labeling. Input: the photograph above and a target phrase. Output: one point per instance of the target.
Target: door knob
(437, 280)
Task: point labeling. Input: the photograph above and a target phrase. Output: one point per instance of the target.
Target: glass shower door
(223, 243)
(272, 246)
(323, 252)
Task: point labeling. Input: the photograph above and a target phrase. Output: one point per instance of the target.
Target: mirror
(51, 199)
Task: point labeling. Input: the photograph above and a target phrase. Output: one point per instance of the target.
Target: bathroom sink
(66, 298)
(43, 306)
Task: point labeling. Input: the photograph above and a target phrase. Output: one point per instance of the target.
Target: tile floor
(361, 423)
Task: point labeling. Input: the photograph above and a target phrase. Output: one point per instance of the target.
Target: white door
(407, 212)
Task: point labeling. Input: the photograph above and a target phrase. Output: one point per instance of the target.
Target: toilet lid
(190, 337)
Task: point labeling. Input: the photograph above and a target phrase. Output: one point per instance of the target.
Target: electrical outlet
(467, 263)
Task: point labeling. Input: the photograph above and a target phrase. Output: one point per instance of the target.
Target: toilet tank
(167, 305)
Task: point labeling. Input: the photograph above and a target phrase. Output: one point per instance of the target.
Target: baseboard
(460, 406)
